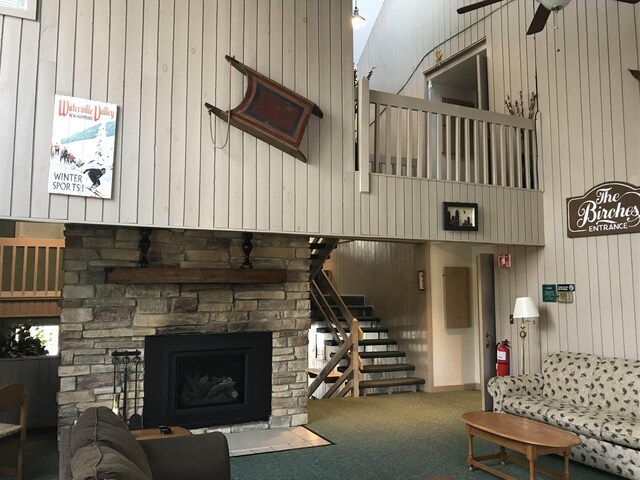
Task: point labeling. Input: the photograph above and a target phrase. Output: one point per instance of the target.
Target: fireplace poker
(135, 421)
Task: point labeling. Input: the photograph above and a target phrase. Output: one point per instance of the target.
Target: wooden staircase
(383, 366)
(360, 356)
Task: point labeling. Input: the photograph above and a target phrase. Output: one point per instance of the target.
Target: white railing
(30, 267)
(412, 137)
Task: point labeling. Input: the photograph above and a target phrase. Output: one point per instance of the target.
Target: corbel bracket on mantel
(164, 275)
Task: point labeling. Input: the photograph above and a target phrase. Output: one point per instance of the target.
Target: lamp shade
(525, 308)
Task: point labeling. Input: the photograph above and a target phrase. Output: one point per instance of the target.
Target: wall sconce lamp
(357, 20)
(526, 310)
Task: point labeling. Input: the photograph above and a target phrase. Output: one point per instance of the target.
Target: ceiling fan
(542, 12)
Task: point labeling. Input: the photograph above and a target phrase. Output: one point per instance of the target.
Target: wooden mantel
(136, 275)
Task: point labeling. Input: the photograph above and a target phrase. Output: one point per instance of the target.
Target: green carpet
(402, 436)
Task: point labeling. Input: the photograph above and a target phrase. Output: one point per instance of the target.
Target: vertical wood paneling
(146, 187)
(197, 122)
(236, 143)
(115, 90)
(10, 55)
(207, 151)
(39, 204)
(178, 114)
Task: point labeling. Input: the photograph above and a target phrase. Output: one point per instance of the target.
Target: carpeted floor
(409, 436)
(388, 437)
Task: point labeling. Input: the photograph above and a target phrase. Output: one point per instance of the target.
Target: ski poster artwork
(82, 147)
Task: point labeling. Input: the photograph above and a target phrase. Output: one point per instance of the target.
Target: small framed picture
(460, 216)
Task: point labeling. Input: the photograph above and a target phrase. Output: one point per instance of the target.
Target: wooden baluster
(448, 145)
(535, 181)
(510, 157)
(409, 159)
(519, 140)
(438, 154)
(376, 137)
(387, 166)
(494, 153)
(12, 286)
(398, 171)
(476, 151)
(467, 151)
(458, 144)
(47, 257)
(1, 268)
(420, 133)
(485, 153)
(35, 269)
(25, 254)
(503, 155)
(429, 141)
(355, 356)
(57, 271)
(527, 159)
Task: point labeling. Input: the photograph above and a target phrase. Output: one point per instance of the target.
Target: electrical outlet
(511, 319)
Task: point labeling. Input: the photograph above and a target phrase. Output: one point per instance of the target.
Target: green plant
(17, 341)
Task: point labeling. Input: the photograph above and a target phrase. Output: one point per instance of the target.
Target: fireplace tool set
(125, 363)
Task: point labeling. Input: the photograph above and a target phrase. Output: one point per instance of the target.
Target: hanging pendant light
(357, 21)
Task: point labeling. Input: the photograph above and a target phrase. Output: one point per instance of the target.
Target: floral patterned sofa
(596, 398)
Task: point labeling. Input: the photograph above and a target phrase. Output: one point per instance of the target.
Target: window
(19, 8)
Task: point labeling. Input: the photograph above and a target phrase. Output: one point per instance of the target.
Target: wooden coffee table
(531, 438)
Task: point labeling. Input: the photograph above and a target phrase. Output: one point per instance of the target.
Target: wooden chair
(12, 397)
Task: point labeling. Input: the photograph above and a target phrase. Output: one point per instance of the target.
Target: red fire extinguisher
(504, 358)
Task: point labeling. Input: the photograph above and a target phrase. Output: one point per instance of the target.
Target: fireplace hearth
(207, 379)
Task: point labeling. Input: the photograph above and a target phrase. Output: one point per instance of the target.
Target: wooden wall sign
(607, 209)
(270, 112)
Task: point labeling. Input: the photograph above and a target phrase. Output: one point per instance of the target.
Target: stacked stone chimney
(98, 317)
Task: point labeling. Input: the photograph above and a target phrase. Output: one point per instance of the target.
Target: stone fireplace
(99, 318)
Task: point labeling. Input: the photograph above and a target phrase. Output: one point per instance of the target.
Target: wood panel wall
(159, 61)
(589, 122)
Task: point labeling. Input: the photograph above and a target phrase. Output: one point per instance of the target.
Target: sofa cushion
(97, 462)
(623, 432)
(524, 406)
(616, 387)
(567, 377)
(586, 421)
(100, 426)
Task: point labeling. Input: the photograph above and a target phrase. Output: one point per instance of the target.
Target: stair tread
(367, 342)
(387, 354)
(391, 382)
(396, 367)
(364, 329)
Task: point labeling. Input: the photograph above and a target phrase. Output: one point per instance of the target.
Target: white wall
(589, 123)
(159, 61)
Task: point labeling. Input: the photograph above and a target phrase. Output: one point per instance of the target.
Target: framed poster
(82, 147)
(460, 216)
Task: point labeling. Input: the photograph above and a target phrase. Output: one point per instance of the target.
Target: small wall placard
(460, 216)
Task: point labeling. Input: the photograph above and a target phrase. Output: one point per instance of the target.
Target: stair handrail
(330, 318)
(348, 343)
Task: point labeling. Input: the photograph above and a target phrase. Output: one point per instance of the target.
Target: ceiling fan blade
(539, 20)
(629, 1)
(475, 6)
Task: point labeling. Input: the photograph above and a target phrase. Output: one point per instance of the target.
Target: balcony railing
(412, 137)
(30, 268)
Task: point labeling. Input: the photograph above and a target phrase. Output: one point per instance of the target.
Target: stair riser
(363, 323)
(388, 390)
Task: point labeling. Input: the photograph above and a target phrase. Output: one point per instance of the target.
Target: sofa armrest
(196, 457)
(508, 386)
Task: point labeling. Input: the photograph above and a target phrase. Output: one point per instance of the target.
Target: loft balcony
(420, 154)
(415, 138)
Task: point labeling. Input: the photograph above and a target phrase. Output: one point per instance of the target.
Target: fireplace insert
(207, 379)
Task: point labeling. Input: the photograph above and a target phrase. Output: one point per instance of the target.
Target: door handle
(488, 337)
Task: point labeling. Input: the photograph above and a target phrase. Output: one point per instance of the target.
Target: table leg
(567, 475)
(503, 456)
(531, 456)
(470, 445)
